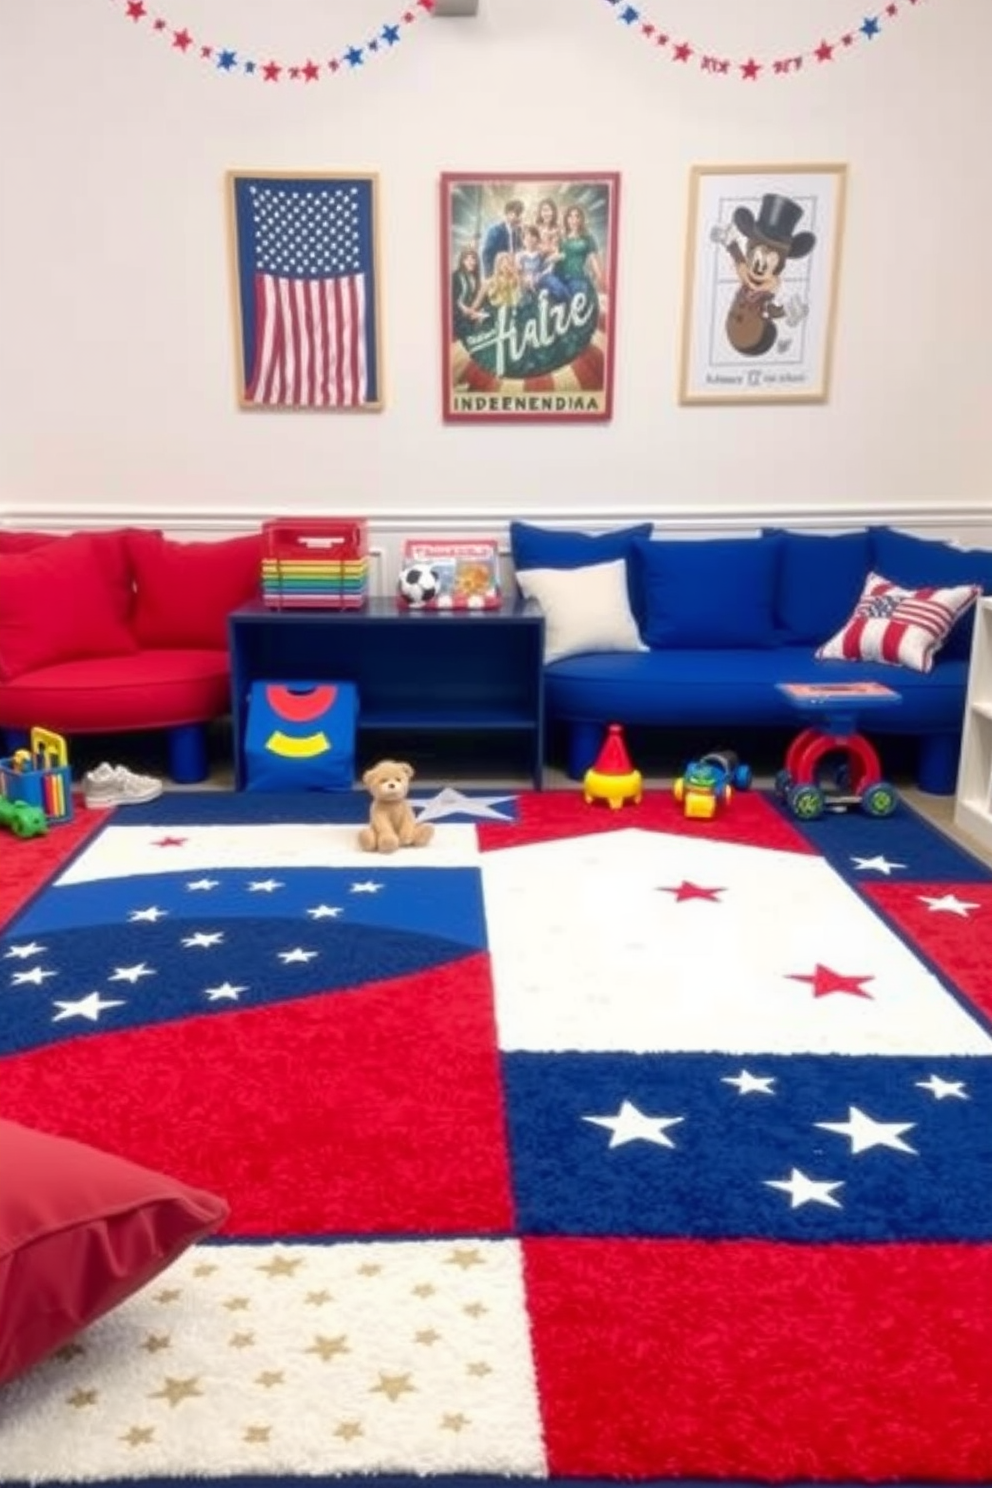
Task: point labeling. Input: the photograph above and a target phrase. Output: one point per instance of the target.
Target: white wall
(117, 384)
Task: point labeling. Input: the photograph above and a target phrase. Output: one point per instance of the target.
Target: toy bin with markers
(316, 563)
(40, 776)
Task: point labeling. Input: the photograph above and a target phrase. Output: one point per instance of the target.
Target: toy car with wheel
(21, 819)
(726, 762)
(702, 789)
(833, 772)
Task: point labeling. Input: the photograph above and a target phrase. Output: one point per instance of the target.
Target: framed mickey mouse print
(762, 265)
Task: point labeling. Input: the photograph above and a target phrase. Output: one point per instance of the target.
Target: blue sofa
(721, 621)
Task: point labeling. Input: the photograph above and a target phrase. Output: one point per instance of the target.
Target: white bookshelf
(973, 803)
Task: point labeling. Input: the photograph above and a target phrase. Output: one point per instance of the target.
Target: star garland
(231, 60)
(751, 69)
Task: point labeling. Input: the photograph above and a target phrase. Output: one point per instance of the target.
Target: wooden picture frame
(528, 290)
(305, 274)
(761, 276)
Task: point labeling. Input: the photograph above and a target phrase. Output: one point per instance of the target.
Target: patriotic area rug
(581, 1144)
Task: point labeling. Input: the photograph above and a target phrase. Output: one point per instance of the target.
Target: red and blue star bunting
(233, 60)
(750, 69)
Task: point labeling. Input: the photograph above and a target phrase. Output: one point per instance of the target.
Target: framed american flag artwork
(305, 270)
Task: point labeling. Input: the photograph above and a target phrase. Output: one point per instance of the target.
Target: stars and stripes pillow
(898, 626)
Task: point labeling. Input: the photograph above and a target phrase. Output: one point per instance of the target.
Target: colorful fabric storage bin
(315, 563)
(301, 736)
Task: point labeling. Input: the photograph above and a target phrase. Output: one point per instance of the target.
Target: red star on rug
(750, 69)
(270, 72)
(824, 52)
(170, 842)
(182, 39)
(686, 890)
(824, 980)
(682, 52)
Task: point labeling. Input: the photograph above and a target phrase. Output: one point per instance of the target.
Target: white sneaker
(113, 785)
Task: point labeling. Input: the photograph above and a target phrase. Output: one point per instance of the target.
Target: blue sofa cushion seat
(736, 688)
(719, 592)
(675, 687)
(819, 582)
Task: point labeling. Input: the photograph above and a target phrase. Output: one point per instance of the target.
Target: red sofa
(119, 632)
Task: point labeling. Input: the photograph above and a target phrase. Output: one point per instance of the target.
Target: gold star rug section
(308, 1359)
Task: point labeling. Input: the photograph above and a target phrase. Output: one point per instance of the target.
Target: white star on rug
(804, 1190)
(296, 954)
(449, 802)
(865, 1132)
(89, 1007)
(941, 1089)
(879, 864)
(204, 939)
(265, 886)
(748, 1084)
(949, 904)
(226, 990)
(203, 883)
(632, 1125)
(324, 912)
(34, 977)
(130, 974)
(151, 914)
(368, 886)
(22, 952)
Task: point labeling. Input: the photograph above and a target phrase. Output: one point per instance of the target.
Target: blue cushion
(543, 547)
(819, 583)
(919, 562)
(719, 592)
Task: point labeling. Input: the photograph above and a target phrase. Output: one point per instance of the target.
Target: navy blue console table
(418, 672)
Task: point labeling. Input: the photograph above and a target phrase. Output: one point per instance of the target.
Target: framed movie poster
(762, 262)
(305, 264)
(528, 289)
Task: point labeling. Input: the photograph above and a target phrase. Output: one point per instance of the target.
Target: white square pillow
(585, 609)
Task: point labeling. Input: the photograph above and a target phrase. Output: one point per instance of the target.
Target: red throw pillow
(62, 600)
(80, 1230)
(184, 591)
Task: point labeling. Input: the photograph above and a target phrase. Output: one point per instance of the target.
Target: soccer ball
(418, 584)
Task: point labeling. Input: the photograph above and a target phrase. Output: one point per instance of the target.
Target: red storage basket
(315, 563)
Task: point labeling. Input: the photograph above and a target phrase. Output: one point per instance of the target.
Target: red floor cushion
(81, 1230)
(147, 690)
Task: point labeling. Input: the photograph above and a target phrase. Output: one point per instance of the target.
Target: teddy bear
(392, 823)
